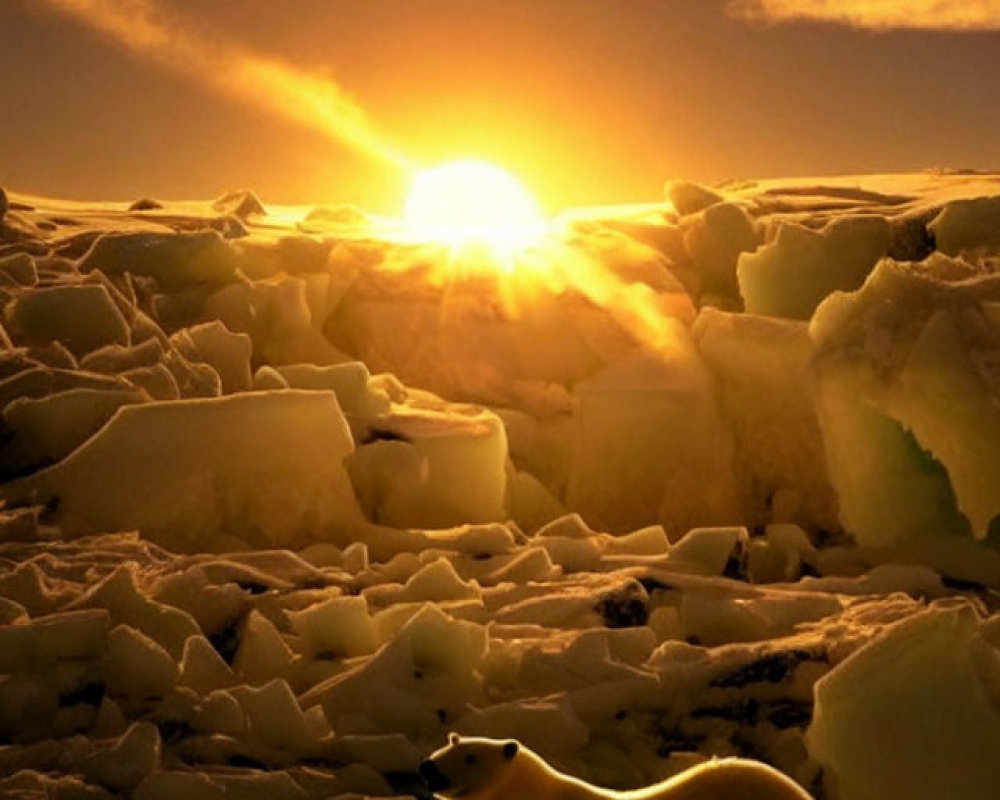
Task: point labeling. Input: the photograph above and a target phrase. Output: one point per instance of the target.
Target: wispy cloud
(309, 100)
(943, 15)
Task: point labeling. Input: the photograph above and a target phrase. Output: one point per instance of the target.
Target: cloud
(942, 15)
(313, 101)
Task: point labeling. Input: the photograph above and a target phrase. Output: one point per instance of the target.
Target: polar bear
(488, 769)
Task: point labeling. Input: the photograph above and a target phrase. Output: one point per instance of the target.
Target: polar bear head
(468, 766)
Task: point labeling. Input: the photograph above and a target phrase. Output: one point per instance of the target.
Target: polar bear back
(485, 769)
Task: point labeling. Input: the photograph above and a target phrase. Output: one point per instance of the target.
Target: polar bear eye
(470, 759)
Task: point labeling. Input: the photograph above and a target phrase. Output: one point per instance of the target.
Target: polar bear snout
(435, 779)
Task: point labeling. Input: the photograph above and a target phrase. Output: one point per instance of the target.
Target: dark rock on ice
(626, 607)
(772, 668)
(146, 204)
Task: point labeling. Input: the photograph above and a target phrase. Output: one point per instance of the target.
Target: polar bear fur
(488, 769)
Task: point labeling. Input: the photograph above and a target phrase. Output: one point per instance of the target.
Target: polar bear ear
(510, 750)
(452, 738)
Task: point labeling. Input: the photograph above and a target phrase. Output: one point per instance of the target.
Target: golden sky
(588, 101)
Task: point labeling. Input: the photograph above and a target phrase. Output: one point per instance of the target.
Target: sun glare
(472, 201)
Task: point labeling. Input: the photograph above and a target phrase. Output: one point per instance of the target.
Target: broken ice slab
(264, 468)
(908, 389)
(915, 713)
(43, 430)
(432, 467)
(81, 316)
(226, 352)
(946, 395)
(176, 260)
(889, 488)
(791, 276)
(426, 676)
(766, 399)
(652, 446)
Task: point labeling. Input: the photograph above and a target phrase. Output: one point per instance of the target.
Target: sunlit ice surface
(481, 211)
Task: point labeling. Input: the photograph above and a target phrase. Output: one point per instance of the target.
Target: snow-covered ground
(288, 494)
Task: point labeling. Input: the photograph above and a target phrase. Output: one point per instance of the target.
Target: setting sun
(471, 200)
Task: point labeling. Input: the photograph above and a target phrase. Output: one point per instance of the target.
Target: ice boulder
(792, 275)
(970, 226)
(652, 446)
(432, 467)
(907, 397)
(915, 713)
(266, 468)
(714, 239)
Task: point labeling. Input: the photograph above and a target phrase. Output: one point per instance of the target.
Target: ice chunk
(924, 695)
(340, 627)
(275, 719)
(267, 468)
(709, 550)
(349, 381)
(949, 400)
(115, 358)
(714, 239)
(888, 487)
(18, 270)
(969, 226)
(176, 260)
(83, 317)
(124, 764)
(433, 468)
(763, 368)
(652, 446)
(416, 684)
(651, 541)
(137, 666)
(157, 381)
(263, 653)
(242, 203)
(228, 353)
(790, 276)
(128, 604)
(44, 430)
(907, 389)
(202, 668)
(437, 582)
(72, 635)
(690, 198)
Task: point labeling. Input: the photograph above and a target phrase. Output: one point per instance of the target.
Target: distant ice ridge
(822, 356)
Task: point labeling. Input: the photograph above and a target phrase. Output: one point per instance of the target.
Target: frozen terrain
(286, 494)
